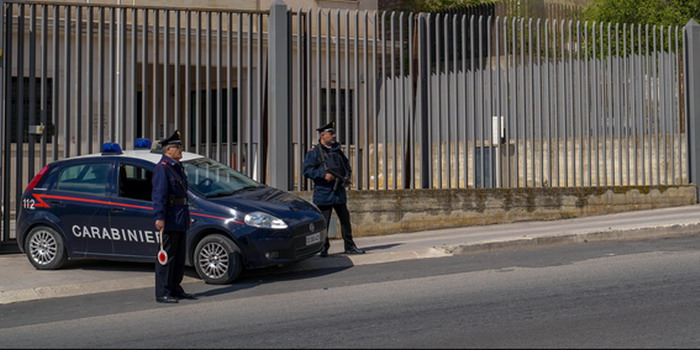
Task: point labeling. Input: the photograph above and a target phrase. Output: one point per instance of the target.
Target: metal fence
(79, 75)
(419, 100)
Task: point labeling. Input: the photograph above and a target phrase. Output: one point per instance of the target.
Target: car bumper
(267, 248)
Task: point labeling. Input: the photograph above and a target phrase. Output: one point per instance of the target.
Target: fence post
(279, 96)
(423, 135)
(692, 101)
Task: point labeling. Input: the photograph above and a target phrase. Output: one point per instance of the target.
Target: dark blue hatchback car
(99, 206)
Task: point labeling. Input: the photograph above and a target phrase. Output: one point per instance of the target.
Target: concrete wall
(385, 212)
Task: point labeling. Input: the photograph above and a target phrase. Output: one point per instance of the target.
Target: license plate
(313, 238)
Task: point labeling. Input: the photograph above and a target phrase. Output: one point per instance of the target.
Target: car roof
(143, 154)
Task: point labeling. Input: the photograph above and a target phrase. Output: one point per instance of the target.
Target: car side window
(84, 178)
(135, 182)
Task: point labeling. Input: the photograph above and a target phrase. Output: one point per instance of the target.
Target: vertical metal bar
(44, 73)
(67, 85)
(579, 131)
(219, 92)
(155, 79)
(208, 113)
(482, 126)
(642, 110)
(539, 128)
(528, 113)
(100, 75)
(550, 159)
(78, 79)
(521, 107)
(351, 119)
(188, 83)
(465, 114)
(609, 115)
(239, 98)
(177, 113)
(675, 128)
(626, 101)
(32, 120)
(367, 80)
(375, 129)
(564, 97)
(597, 110)
(618, 103)
(427, 114)
(625, 87)
(134, 66)
(507, 110)
(339, 78)
(456, 100)
(122, 116)
(261, 74)
(7, 27)
(144, 78)
(229, 111)
(112, 75)
(438, 105)
(445, 101)
(197, 127)
(676, 106)
(633, 107)
(166, 75)
(589, 102)
(404, 114)
(394, 77)
(513, 120)
(385, 109)
(250, 160)
(571, 104)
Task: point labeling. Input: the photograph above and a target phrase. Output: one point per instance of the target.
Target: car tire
(45, 249)
(217, 259)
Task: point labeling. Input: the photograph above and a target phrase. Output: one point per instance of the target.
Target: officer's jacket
(315, 169)
(170, 195)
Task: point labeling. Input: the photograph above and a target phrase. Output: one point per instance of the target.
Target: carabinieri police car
(99, 206)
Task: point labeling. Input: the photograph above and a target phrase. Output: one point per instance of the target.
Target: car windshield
(209, 178)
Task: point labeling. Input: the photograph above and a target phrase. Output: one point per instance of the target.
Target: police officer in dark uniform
(330, 171)
(172, 218)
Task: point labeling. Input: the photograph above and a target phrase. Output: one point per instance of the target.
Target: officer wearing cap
(330, 171)
(172, 218)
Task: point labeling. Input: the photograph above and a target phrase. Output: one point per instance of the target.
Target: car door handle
(57, 203)
(118, 210)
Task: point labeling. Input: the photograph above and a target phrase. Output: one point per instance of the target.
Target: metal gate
(78, 75)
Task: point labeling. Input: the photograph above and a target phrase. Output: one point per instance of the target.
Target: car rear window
(84, 178)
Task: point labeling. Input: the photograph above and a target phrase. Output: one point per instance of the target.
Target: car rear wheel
(217, 259)
(44, 248)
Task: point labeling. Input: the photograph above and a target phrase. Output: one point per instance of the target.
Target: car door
(132, 211)
(80, 199)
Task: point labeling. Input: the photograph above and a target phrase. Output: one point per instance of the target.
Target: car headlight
(263, 220)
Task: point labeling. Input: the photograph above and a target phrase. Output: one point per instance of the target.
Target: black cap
(328, 127)
(174, 139)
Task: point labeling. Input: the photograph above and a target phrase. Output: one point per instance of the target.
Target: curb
(611, 235)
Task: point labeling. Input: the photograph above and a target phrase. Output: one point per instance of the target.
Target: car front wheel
(44, 248)
(217, 259)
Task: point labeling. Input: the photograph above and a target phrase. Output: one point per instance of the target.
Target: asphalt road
(631, 294)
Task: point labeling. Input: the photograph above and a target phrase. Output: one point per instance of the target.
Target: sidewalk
(19, 281)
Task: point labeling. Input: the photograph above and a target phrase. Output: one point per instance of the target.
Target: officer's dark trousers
(169, 276)
(345, 228)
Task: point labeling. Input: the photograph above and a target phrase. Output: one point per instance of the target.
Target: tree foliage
(440, 5)
(659, 12)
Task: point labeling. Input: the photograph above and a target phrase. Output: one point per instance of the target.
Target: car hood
(270, 200)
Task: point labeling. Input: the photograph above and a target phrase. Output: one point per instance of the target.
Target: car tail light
(37, 178)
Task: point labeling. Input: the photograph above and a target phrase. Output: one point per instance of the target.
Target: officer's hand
(329, 177)
(160, 224)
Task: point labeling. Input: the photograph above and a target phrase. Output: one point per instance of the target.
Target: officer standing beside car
(172, 219)
(329, 168)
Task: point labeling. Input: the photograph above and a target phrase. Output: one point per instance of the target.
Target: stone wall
(394, 211)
